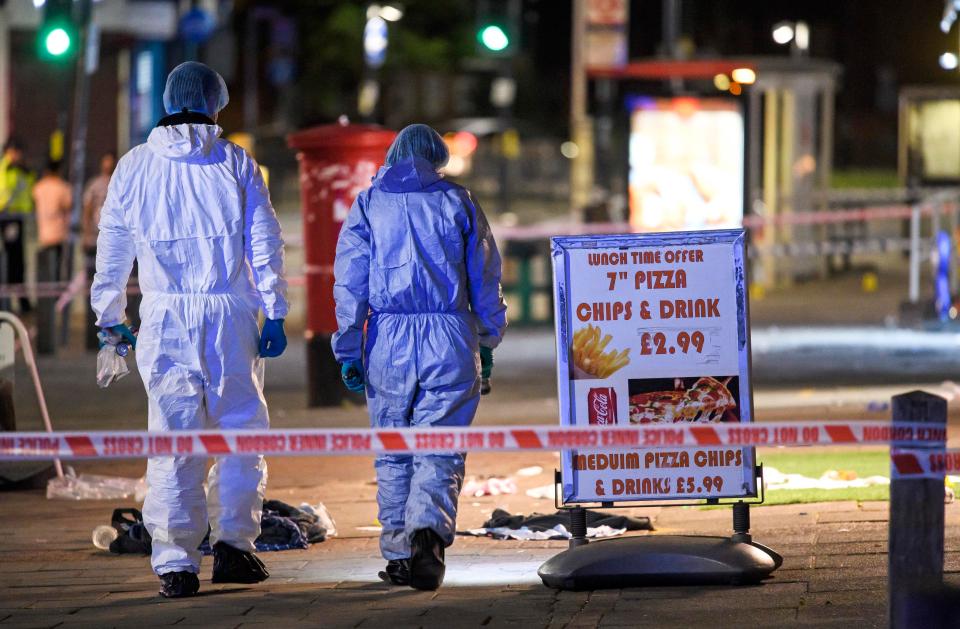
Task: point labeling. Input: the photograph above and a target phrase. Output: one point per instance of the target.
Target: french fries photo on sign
(653, 329)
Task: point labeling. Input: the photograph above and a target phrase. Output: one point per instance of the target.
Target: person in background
(53, 200)
(16, 204)
(193, 210)
(94, 196)
(417, 265)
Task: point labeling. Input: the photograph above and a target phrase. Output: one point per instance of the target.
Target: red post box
(336, 162)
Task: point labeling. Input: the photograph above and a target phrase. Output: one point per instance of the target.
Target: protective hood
(410, 175)
(184, 141)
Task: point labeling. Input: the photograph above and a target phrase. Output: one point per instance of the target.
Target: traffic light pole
(508, 135)
(505, 114)
(78, 146)
(581, 128)
(5, 83)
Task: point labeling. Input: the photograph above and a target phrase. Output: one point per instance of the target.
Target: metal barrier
(21, 332)
(524, 246)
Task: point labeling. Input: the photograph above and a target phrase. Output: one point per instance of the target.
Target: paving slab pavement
(51, 576)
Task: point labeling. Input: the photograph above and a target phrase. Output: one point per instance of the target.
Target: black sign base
(659, 560)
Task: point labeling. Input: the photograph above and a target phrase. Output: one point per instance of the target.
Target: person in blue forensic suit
(418, 266)
(193, 210)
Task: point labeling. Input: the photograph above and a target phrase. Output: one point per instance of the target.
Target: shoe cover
(179, 584)
(236, 566)
(397, 572)
(426, 560)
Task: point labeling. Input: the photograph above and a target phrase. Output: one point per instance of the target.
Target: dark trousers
(49, 267)
(12, 263)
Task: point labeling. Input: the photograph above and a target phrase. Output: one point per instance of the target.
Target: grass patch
(813, 464)
(803, 496)
(864, 178)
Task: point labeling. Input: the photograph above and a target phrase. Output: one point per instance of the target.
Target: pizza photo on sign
(707, 399)
(592, 355)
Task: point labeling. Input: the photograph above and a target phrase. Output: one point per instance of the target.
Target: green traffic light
(57, 42)
(494, 38)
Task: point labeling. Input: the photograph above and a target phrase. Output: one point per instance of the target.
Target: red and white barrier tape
(64, 292)
(752, 221)
(838, 247)
(917, 463)
(67, 291)
(304, 442)
(853, 215)
(59, 290)
(545, 230)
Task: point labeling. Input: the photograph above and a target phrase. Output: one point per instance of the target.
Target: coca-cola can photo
(602, 406)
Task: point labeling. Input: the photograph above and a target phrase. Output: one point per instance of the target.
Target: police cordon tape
(75, 288)
(838, 247)
(521, 233)
(66, 291)
(436, 440)
(751, 221)
(915, 463)
(547, 229)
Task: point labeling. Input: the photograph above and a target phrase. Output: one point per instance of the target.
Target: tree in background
(433, 36)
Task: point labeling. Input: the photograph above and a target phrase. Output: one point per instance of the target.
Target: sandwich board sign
(653, 328)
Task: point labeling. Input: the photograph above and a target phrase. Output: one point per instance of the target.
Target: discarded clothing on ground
(282, 527)
(475, 487)
(774, 479)
(540, 526)
(133, 537)
(309, 523)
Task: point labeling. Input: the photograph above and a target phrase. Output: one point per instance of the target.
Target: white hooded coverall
(195, 213)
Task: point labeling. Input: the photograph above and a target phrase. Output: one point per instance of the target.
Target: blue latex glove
(486, 362)
(273, 340)
(352, 374)
(122, 330)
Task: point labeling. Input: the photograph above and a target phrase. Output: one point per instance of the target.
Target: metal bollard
(914, 286)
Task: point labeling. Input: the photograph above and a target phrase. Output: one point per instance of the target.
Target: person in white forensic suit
(193, 211)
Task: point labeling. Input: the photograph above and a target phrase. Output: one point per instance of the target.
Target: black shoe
(179, 584)
(426, 560)
(397, 572)
(231, 565)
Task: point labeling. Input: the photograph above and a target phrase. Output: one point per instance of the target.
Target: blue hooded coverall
(417, 263)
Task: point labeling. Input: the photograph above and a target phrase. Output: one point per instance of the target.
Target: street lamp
(745, 76)
(388, 12)
(949, 14)
(949, 60)
(375, 43)
(795, 33)
(391, 12)
(783, 32)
